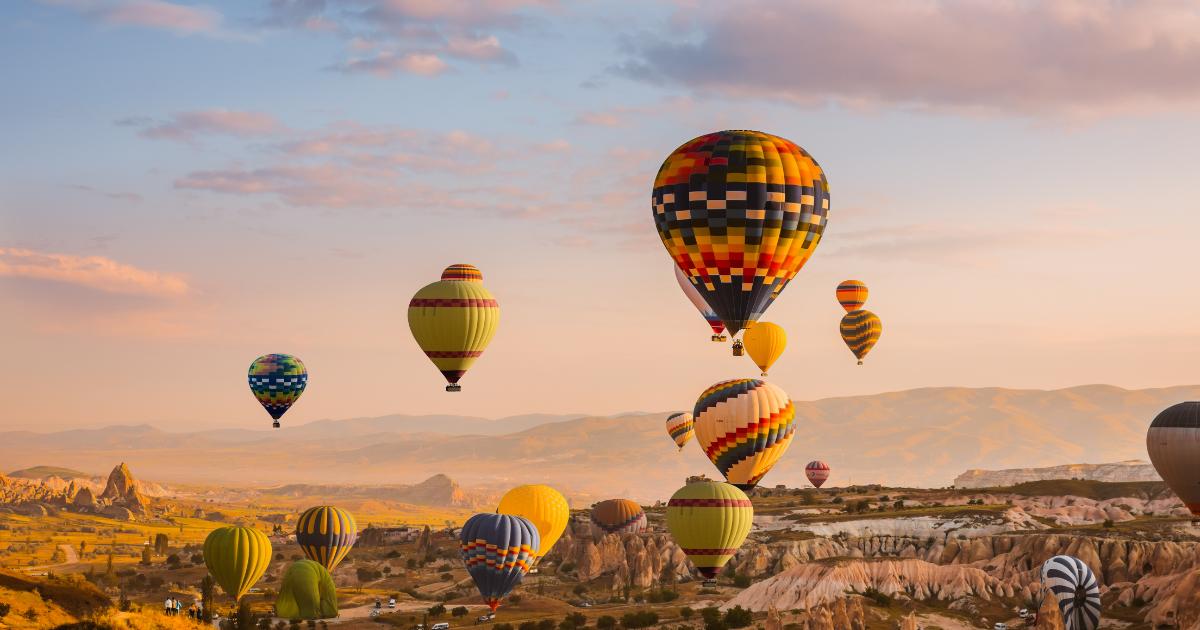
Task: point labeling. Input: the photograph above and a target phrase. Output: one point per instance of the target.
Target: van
(440, 626)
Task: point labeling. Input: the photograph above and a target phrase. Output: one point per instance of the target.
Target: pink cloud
(478, 49)
(95, 272)
(387, 63)
(622, 115)
(152, 14)
(1052, 56)
(187, 126)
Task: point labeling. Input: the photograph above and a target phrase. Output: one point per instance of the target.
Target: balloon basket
(275, 424)
(454, 387)
(860, 362)
(738, 349)
(709, 583)
(719, 338)
(763, 374)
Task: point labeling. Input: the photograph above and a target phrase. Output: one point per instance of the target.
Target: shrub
(566, 567)
(837, 500)
(437, 610)
(459, 611)
(1108, 523)
(5, 609)
(546, 624)
(880, 599)
(737, 617)
(576, 619)
(686, 612)
(503, 626)
(606, 622)
(579, 589)
(514, 599)
(639, 619)
(712, 619)
(528, 625)
(446, 577)
(741, 580)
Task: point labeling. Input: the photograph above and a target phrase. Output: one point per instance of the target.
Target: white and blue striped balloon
(1075, 589)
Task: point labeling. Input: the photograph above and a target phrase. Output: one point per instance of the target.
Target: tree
(108, 565)
(173, 561)
(737, 617)
(712, 618)
(576, 619)
(579, 589)
(741, 580)
(606, 622)
(5, 609)
(686, 612)
(82, 547)
(437, 610)
(527, 625)
(459, 611)
(547, 624)
(147, 558)
(160, 544)
(245, 617)
(207, 587)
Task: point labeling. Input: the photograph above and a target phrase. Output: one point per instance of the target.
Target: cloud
(94, 272)
(387, 63)
(1051, 57)
(187, 126)
(558, 145)
(150, 14)
(624, 114)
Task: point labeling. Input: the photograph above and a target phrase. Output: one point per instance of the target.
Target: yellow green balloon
(453, 320)
(236, 558)
(764, 342)
(543, 506)
(307, 592)
(709, 520)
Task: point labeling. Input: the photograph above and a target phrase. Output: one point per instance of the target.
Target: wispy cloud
(1056, 57)
(388, 63)
(622, 115)
(151, 14)
(188, 126)
(94, 272)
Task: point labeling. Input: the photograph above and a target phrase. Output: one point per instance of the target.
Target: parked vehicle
(440, 626)
(391, 602)
(1000, 626)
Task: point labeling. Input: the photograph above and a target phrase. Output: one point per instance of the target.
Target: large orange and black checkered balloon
(740, 212)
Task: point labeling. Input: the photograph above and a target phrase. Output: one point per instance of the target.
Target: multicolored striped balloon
(618, 516)
(860, 330)
(454, 320)
(817, 472)
(744, 426)
(852, 294)
(326, 534)
(693, 296)
(277, 380)
(740, 212)
(679, 427)
(1074, 587)
(709, 520)
(498, 550)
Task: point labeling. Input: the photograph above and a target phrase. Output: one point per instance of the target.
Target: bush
(606, 622)
(880, 599)
(393, 554)
(741, 580)
(546, 624)
(503, 626)
(528, 625)
(459, 611)
(661, 596)
(579, 589)
(566, 567)
(712, 619)
(686, 612)
(5, 609)
(837, 500)
(737, 617)
(446, 577)
(514, 599)
(437, 610)
(639, 619)
(576, 619)
(1108, 523)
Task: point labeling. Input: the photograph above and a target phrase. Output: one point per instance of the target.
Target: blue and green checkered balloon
(277, 381)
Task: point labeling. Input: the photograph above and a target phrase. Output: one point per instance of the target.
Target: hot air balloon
(543, 506)
(740, 212)
(1173, 442)
(618, 516)
(860, 330)
(1074, 587)
(679, 427)
(453, 320)
(277, 381)
(765, 342)
(326, 534)
(817, 472)
(498, 550)
(744, 426)
(852, 294)
(236, 558)
(307, 592)
(697, 300)
(709, 520)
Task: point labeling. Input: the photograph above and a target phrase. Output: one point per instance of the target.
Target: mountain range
(921, 438)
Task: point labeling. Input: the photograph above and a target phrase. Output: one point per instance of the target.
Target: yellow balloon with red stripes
(454, 320)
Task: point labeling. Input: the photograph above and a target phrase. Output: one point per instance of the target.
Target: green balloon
(236, 558)
(308, 592)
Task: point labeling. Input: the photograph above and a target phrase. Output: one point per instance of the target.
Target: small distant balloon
(765, 343)
(679, 427)
(618, 516)
(277, 380)
(861, 330)
(852, 294)
(817, 472)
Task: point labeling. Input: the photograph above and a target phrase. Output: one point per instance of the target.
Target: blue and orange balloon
(277, 380)
(498, 550)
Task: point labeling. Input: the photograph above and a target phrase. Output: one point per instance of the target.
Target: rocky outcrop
(122, 490)
(84, 500)
(1132, 470)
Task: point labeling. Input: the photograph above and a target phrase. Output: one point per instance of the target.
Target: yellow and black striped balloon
(326, 534)
(860, 330)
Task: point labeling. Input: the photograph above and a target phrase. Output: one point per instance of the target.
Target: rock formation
(122, 490)
(1131, 470)
(40, 494)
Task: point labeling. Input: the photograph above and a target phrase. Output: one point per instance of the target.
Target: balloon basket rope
(454, 388)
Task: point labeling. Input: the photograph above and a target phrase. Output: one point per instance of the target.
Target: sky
(185, 186)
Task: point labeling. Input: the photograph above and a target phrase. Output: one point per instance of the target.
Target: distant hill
(921, 437)
(1117, 472)
(46, 472)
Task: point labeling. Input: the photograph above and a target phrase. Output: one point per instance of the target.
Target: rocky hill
(438, 491)
(1131, 470)
(120, 499)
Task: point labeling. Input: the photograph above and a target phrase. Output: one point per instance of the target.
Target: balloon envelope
(454, 320)
(817, 472)
(277, 380)
(764, 343)
(680, 428)
(236, 558)
(1173, 442)
(697, 301)
(1074, 587)
(543, 506)
(618, 516)
(744, 426)
(740, 212)
(860, 330)
(497, 550)
(307, 592)
(326, 534)
(852, 294)
(709, 520)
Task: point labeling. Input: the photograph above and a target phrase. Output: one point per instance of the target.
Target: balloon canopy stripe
(724, 391)
(453, 354)
(709, 503)
(462, 272)
(710, 552)
(452, 303)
